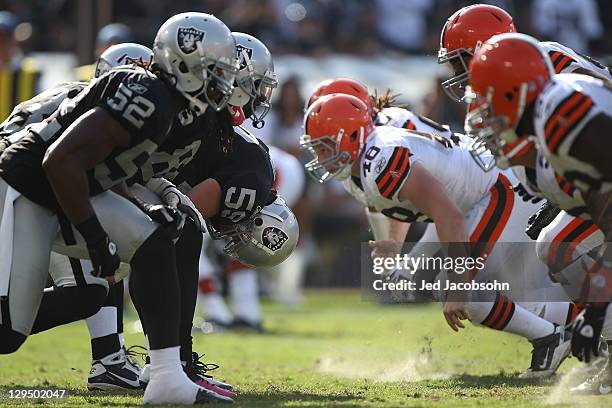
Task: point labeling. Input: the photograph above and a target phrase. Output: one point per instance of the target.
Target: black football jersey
(39, 108)
(179, 149)
(245, 173)
(140, 101)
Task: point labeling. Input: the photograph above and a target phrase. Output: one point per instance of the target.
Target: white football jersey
(406, 119)
(562, 110)
(544, 182)
(403, 118)
(565, 60)
(385, 165)
(288, 175)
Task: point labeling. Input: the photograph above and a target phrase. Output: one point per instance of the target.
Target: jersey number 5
(136, 110)
(237, 209)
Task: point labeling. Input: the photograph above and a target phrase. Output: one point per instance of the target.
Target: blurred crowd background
(383, 43)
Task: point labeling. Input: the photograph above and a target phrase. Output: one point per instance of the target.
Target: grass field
(335, 351)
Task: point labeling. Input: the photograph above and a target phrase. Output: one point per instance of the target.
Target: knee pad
(10, 340)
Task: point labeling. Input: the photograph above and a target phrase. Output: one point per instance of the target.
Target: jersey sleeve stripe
(395, 171)
(560, 60)
(572, 118)
(403, 171)
(564, 185)
(385, 174)
(409, 125)
(394, 174)
(568, 113)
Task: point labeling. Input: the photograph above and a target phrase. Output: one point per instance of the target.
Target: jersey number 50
(237, 210)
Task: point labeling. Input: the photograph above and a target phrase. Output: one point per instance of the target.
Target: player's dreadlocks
(386, 100)
(220, 123)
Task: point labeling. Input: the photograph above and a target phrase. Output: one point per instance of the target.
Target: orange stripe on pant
(494, 219)
(560, 237)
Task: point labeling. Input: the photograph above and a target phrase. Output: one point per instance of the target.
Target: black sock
(105, 345)
(188, 250)
(154, 289)
(63, 305)
(118, 292)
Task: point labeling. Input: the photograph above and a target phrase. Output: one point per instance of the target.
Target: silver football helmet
(199, 52)
(268, 239)
(122, 54)
(256, 79)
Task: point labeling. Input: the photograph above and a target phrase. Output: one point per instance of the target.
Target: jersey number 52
(138, 108)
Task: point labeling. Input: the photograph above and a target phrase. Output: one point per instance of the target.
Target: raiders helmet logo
(274, 238)
(241, 51)
(188, 37)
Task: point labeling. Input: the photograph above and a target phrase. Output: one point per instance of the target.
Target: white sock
(103, 323)
(121, 340)
(606, 331)
(244, 292)
(504, 314)
(559, 312)
(169, 384)
(216, 308)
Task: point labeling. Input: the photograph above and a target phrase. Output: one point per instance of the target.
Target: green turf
(335, 351)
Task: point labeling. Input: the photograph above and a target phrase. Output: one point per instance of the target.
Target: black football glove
(525, 195)
(171, 220)
(541, 219)
(586, 331)
(104, 257)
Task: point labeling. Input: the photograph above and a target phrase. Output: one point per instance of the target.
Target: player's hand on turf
(586, 331)
(104, 257)
(454, 312)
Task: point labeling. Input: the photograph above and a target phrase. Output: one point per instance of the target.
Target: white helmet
(122, 54)
(199, 52)
(256, 79)
(268, 239)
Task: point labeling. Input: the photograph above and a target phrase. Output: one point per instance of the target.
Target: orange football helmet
(507, 74)
(336, 127)
(463, 33)
(343, 86)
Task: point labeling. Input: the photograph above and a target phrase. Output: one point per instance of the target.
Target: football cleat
(113, 372)
(243, 324)
(600, 383)
(173, 389)
(548, 353)
(197, 370)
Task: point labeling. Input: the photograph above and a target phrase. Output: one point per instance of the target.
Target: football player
(469, 27)
(112, 366)
(93, 143)
(475, 207)
(229, 182)
(389, 233)
(517, 94)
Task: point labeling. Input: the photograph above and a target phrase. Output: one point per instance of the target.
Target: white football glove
(172, 197)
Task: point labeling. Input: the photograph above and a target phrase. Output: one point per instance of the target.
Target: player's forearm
(398, 230)
(451, 228)
(71, 188)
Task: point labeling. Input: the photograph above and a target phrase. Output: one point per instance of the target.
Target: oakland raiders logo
(242, 52)
(188, 37)
(274, 238)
